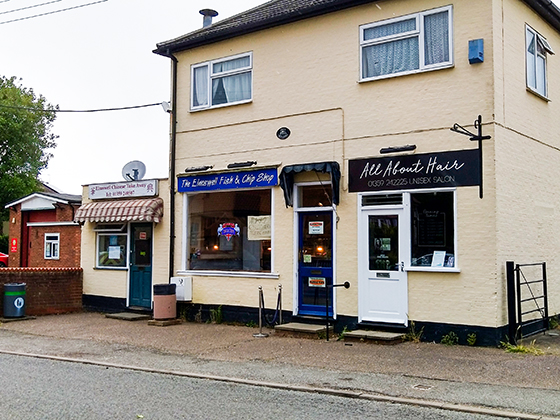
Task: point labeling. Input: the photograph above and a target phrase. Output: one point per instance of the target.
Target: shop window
(407, 44)
(537, 48)
(111, 245)
(230, 231)
(432, 229)
(222, 82)
(52, 246)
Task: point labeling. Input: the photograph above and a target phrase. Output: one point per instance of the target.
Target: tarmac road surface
(476, 379)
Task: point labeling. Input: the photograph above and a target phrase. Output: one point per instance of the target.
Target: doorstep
(129, 316)
(301, 330)
(381, 337)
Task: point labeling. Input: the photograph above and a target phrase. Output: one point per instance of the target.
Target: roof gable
(44, 201)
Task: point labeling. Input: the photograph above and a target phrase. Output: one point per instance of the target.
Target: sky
(100, 56)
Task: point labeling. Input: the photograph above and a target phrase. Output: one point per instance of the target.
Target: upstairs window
(536, 48)
(222, 82)
(406, 45)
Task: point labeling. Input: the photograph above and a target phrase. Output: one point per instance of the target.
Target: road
(49, 389)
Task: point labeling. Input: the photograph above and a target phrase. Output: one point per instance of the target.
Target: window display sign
(228, 230)
(317, 282)
(316, 228)
(228, 180)
(430, 170)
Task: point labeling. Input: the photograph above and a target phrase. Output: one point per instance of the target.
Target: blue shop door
(315, 263)
(140, 290)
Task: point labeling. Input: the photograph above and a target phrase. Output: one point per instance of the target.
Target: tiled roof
(280, 12)
(267, 15)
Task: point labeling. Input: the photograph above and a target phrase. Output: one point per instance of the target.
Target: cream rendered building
(311, 145)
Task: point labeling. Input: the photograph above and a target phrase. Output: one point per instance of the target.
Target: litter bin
(14, 300)
(165, 301)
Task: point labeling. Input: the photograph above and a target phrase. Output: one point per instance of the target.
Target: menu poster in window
(431, 228)
(258, 228)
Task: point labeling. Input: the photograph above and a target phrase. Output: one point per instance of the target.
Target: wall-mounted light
(395, 149)
(198, 168)
(242, 164)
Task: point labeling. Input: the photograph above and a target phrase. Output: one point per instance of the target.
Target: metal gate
(527, 299)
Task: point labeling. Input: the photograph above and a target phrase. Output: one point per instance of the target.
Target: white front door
(383, 288)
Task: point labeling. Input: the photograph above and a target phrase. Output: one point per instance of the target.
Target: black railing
(527, 300)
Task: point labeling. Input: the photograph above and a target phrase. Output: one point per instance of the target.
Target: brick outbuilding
(43, 232)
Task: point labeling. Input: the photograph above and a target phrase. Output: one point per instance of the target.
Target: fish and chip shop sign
(430, 170)
(144, 188)
(229, 180)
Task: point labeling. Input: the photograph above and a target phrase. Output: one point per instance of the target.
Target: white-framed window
(407, 44)
(112, 245)
(222, 82)
(52, 246)
(536, 48)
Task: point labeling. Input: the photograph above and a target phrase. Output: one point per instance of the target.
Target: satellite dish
(134, 171)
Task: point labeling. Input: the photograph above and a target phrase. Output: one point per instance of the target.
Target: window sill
(221, 106)
(534, 92)
(434, 269)
(208, 273)
(111, 268)
(407, 73)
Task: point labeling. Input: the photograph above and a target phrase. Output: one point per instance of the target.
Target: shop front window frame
(106, 230)
(407, 223)
(186, 254)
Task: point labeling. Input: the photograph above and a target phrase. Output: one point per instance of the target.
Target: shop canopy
(141, 210)
(287, 178)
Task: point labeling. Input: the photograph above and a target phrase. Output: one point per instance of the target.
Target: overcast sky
(100, 56)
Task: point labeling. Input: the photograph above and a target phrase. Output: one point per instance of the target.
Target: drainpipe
(172, 150)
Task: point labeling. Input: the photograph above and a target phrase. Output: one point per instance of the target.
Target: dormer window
(222, 82)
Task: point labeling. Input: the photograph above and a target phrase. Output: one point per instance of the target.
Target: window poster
(316, 228)
(115, 252)
(431, 228)
(385, 244)
(258, 228)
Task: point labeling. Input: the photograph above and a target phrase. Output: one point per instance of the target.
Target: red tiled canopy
(142, 210)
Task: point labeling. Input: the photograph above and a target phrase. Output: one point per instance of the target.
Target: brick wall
(48, 290)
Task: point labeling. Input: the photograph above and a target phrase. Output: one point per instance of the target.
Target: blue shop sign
(229, 180)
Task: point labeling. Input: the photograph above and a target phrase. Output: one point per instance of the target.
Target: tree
(25, 136)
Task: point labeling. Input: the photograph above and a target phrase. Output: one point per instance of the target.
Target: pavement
(479, 380)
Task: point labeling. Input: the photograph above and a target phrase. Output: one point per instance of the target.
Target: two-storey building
(311, 145)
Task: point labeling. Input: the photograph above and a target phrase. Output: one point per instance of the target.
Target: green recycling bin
(14, 300)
